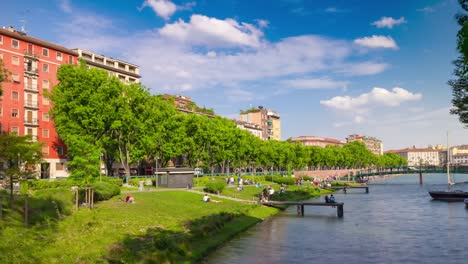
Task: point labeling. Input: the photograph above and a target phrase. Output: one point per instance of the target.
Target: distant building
(254, 129)
(460, 159)
(24, 106)
(463, 149)
(274, 125)
(317, 141)
(186, 105)
(125, 71)
(422, 156)
(268, 120)
(373, 144)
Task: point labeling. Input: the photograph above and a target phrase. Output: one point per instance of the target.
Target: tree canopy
(460, 83)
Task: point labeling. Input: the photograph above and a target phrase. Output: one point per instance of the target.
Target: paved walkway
(198, 190)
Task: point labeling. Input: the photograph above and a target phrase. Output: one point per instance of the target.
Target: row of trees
(98, 116)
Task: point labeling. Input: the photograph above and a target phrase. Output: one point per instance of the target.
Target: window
(1, 56)
(15, 130)
(70, 59)
(59, 56)
(15, 60)
(45, 133)
(14, 113)
(45, 52)
(45, 68)
(15, 77)
(59, 166)
(45, 116)
(1, 113)
(45, 84)
(15, 44)
(45, 100)
(45, 150)
(1, 39)
(14, 95)
(60, 151)
(30, 132)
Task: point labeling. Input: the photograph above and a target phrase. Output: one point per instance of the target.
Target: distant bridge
(409, 170)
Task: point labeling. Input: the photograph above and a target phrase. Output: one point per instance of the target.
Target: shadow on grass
(199, 237)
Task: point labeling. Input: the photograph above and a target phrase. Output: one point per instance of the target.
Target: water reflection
(396, 222)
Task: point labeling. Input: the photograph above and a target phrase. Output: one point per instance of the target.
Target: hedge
(281, 180)
(52, 203)
(216, 186)
(104, 190)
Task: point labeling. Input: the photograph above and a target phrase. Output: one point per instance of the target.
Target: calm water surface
(397, 222)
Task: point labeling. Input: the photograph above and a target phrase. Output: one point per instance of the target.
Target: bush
(136, 181)
(104, 190)
(113, 180)
(281, 180)
(52, 203)
(216, 186)
(45, 184)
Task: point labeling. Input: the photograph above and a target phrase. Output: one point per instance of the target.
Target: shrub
(216, 186)
(281, 179)
(45, 184)
(136, 181)
(113, 180)
(104, 190)
(52, 203)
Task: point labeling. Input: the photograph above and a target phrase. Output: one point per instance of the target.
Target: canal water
(397, 222)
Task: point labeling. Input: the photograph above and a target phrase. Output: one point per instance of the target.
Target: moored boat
(450, 196)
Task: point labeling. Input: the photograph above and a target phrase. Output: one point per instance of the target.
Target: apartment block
(254, 129)
(185, 104)
(125, 71)
(422, 156)
(373, 144)
(24, 106)
(268, 120)
(317, 141)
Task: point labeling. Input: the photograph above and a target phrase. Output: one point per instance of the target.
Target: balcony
(30, 88)
(31, 54)
(31, 122)
(31, 104)
(31, 70)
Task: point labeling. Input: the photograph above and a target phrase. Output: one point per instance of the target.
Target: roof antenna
(23, 25)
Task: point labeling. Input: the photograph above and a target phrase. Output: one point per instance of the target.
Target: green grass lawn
(166, 227)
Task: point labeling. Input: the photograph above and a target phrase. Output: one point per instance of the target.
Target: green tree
(460, 83)
(84, 108)
(3, 75)
(21, 157)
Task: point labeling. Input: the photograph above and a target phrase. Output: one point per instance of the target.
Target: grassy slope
(88, 235)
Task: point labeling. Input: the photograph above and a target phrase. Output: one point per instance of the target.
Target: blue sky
(330, 68)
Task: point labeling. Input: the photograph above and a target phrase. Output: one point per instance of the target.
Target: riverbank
(162, 226)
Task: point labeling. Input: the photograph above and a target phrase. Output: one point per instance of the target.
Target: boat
(449, 195)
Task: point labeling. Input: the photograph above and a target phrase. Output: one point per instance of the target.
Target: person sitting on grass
(129, 199)
(207, 199)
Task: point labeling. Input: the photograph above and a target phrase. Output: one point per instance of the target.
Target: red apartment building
(24, 109)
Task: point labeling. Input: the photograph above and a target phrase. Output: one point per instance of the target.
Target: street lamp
(156, 172)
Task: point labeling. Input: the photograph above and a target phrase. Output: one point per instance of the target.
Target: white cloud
(207, 61)
(331, 10)
(388, 22)
(262, 23)
(377, 42)
(364, 68)
(163, 8)
(378, 96)
(426, 9)
(239, 95)
(203, 30)
(65, 6)
(322, 83)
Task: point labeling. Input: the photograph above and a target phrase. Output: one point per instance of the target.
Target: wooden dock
(349, 187)
(300, 206)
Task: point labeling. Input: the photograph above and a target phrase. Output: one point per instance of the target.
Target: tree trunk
(12, 197)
